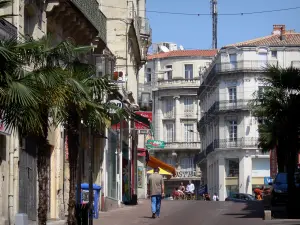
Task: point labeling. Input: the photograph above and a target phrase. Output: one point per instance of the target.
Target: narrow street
(187, 213)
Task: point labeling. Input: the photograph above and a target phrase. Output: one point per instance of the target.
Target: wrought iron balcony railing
(199, 157)
(226, 105)
(169, 115)
(90, 9)
(176, 145)
(145, 28)
(178, 83)
(7, 30)
(247, 142)
(230, 67)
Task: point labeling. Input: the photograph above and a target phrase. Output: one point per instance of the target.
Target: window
(188, 104)
(233, 130)
(148, 75)
(233, 168)
(232, 94)
(263, 59)
(169, 72)
(233, 61)
(189, 132)
(171, 161)
(169, 107)
(274, 54)
(170, 132)
(188, 68)
(187, 164)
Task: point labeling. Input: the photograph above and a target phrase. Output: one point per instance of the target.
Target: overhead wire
(209, 14)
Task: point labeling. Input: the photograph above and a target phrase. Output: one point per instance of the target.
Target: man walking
(157, 189)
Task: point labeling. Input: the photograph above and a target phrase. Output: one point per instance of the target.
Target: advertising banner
(141, 126)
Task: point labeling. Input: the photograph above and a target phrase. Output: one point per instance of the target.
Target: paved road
(186, 213)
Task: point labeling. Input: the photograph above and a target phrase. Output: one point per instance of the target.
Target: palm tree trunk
(292, 206)
(73, 140)
(43, 159)
(280, 155)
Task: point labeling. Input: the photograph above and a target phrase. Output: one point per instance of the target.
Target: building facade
(173, 78)
(129, 36)
(229, 133)
(85, 24)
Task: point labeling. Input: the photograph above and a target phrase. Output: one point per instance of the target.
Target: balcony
(80, 19)
(7, 30)
(169, 115)
(178, 83)
(228, 105)
(199, 157)
(251, 142)
(183, 145)
(121, 85)
(132, 14)
(146, 35)
(234, 67)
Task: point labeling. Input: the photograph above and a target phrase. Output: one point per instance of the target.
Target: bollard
(21, 219)
(267, 215)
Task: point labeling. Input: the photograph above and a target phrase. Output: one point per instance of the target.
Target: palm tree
(279, 108)
(28, 98)
(86, 102)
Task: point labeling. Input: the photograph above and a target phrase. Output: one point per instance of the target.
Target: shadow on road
(248, 210)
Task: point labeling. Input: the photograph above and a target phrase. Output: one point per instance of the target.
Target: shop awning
(141, 119)
(154, 162)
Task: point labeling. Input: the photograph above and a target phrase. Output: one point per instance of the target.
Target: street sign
(268, 180)
(116, 103)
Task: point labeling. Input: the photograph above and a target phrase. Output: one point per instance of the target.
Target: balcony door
(188, 133)
(188, 70)
(232, 61)
(169, 132)
(232, 96)
(262, 60)
(232, 130)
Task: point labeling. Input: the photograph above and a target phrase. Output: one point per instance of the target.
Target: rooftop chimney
(279, 30)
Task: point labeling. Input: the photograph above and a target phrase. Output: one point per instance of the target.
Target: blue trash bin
(85, 197)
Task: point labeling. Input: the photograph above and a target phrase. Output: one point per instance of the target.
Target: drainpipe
(121, 164)
(126, 57)
(11, 187)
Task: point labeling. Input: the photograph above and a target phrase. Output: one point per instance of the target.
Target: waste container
(85, 197)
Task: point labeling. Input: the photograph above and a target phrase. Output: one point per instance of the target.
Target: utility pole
(91, 191)
(214, 14)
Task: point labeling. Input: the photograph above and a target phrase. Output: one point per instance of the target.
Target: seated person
(175, 193)
(190, 188)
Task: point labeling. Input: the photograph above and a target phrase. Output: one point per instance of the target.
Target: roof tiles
(183, 53)
(290, 39)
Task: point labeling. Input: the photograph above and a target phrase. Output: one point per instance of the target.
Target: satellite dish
(164, 48)
(181, 47)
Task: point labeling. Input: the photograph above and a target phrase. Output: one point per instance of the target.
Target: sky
(195, 32)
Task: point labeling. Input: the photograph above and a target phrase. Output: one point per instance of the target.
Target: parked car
(240, 197)
(279, 193)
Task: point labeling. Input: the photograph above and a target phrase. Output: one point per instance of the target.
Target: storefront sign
(273, 163)
(116, 103)
(141, 126)
(156, 143)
